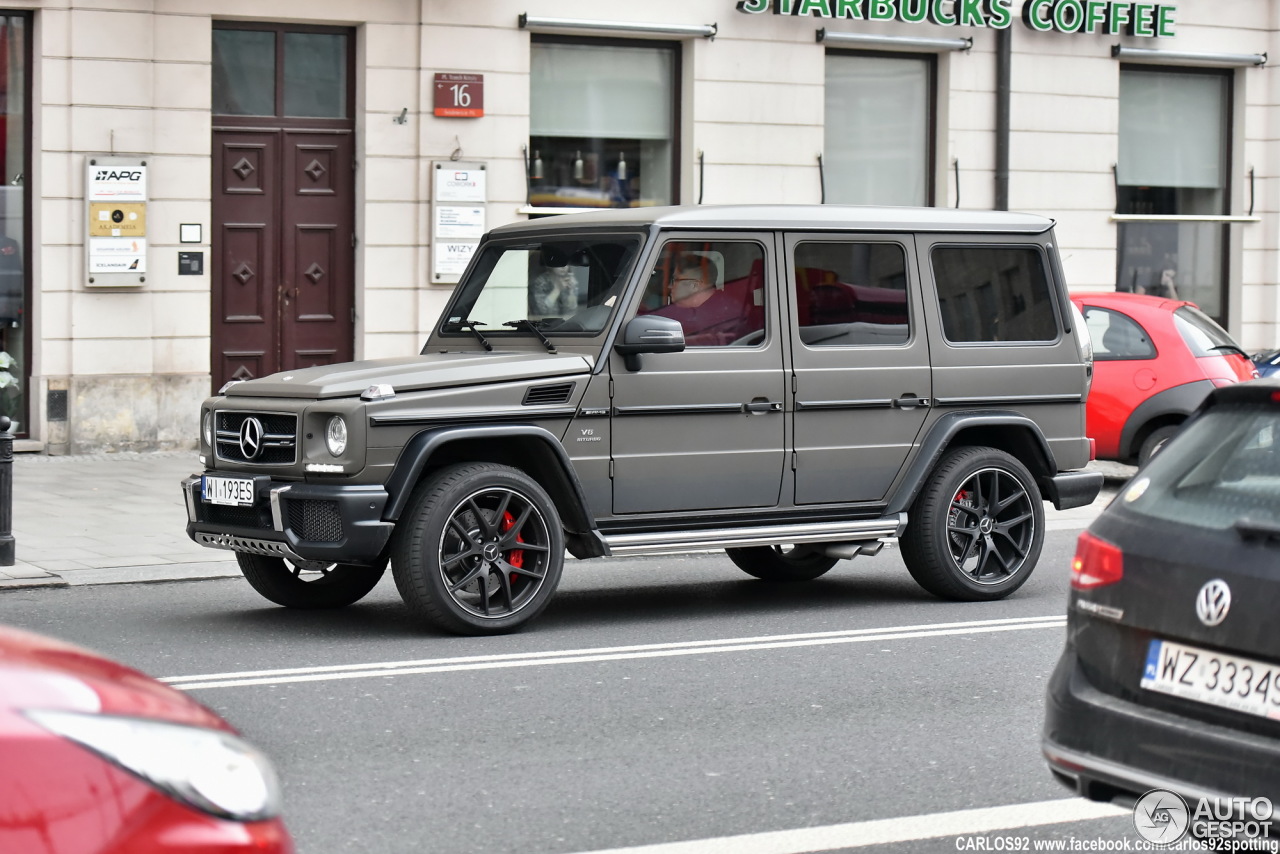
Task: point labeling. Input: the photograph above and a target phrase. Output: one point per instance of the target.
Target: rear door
(861, 384)
(704, 429)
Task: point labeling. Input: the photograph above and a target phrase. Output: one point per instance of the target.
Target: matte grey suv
(795, 385)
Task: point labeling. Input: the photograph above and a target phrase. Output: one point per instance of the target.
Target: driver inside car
(710, 316)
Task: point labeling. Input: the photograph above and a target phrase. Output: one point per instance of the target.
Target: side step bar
(851, 531)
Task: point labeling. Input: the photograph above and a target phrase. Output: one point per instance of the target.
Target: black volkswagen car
(1171, 674)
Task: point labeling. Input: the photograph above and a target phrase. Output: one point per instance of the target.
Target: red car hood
(41, 673)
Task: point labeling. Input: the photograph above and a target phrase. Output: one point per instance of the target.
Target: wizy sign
(1095, 17)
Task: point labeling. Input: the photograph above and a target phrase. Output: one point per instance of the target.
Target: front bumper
(1107, 748)
(298, 521)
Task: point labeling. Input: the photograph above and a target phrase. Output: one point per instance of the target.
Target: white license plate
(1242, 684)
(233, 491)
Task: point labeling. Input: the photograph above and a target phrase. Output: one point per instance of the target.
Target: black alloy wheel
(781, 563)
(308, 584)
(480, 551)
(976, 530)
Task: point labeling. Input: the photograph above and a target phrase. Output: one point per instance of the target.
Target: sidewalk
(120, 518)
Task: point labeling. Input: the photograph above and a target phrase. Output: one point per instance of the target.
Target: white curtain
(1172, 129)
(876, 148)
(605, 91)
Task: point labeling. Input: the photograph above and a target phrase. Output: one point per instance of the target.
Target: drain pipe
(1004, 85)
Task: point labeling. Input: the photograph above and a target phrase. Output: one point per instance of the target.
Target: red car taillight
(1097, 563)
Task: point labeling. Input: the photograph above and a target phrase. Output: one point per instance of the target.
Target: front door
(283, 262)
(704, 429)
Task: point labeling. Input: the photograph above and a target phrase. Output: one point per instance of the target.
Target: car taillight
(1097, 563)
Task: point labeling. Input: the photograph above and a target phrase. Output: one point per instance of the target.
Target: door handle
(910, 401)
(761, 404)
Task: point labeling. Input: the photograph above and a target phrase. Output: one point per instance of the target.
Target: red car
(96, 758)
(1154, 361)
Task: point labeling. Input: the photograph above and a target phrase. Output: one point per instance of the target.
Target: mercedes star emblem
(1213, 602)
(251, 438)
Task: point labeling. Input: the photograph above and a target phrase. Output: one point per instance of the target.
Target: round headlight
(335, 436)
(208, 429)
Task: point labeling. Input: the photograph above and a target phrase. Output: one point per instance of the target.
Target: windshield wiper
(525, 323)
(471, 325)
(1251, 529)
(1232, 347)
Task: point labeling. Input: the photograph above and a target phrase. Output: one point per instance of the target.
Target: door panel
(245, 258)
(316, 322)
(861, 363)
(684, 437)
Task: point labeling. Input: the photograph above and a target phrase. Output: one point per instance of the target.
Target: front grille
(278, 444)
(315, 521)
(545, 395)
(236, 517)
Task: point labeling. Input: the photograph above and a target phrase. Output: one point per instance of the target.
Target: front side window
(559, 285)
(878, 129)
(1116, 337)
(993, 293)
(715, 288)
(850, 293)
(1174, 144)
(602, 125)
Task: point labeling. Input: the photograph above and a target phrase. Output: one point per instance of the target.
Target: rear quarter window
(993, 293)
(1224, 468)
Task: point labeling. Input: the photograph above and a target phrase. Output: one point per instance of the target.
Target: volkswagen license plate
(1242, 684)
(232, 491)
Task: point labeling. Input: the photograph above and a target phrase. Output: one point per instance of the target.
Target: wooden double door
(283, 257)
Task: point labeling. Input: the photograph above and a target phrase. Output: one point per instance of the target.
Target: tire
(462, 524)
(282, 582)
(976, 529)
(1154, 442)
(781, 563)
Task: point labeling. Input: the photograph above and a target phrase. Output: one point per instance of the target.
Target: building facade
(195, 192)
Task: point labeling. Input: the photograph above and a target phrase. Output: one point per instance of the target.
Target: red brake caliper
(516, 556)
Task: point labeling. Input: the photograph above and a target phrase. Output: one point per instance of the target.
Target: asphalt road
(656, 701)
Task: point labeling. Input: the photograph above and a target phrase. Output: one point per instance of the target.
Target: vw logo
(1213, 602)
(251, 438)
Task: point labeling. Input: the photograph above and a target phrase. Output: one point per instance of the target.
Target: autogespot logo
(1161, 816)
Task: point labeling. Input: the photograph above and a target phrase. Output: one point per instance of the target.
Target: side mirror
(649, 333)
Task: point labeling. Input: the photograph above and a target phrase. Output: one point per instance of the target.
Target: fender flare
(567, 491)
(1181, 400)
(945, 429)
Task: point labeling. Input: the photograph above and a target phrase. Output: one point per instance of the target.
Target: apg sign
(1093, 17)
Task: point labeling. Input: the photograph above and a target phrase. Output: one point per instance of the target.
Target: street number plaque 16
(459, 95)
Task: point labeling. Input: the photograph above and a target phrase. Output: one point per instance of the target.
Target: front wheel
(308, 584)
(781, 563)
(480, 550)
(976, 529)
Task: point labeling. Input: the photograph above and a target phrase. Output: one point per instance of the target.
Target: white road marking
(618, 653)
(888, 831)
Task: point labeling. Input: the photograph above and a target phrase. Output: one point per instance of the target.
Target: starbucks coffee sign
(1094, 17)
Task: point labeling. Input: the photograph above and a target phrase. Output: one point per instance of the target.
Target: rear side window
(1116, 336)
(993, 293)
(1225, 467)
(851, 293)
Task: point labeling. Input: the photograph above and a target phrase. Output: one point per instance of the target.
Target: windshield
(1224, 467)
(560, 285)
(1203, 336)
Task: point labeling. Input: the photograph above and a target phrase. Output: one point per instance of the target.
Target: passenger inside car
(713, 313)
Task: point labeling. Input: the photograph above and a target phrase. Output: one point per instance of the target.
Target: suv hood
(432, 370)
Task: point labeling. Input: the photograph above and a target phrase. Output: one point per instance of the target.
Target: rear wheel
(781, 563)
(976, 529)
(1153, 443)
(479, 551)
(308, 584)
